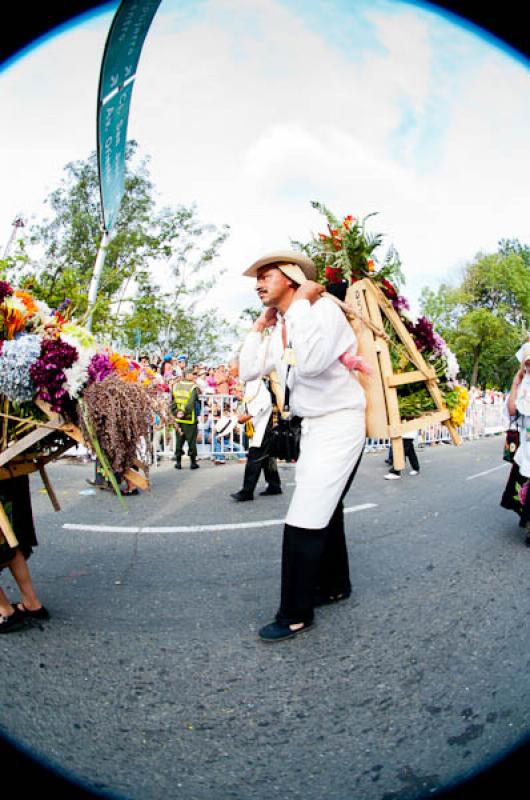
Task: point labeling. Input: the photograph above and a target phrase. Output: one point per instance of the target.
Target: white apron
(329, 448)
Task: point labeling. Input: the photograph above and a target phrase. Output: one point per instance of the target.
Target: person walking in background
(408, 445)
(255, 414)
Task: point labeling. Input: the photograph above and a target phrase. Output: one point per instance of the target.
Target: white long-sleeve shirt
(318, 334)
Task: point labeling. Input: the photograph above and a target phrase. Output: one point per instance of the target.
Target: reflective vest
(182, 392)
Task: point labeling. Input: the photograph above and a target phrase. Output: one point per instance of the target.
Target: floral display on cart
(51, 365)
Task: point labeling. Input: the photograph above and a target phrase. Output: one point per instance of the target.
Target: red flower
(333, 275)
(389, 290)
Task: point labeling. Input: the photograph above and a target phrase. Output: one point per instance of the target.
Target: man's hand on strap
(267, 319)
(310, 290)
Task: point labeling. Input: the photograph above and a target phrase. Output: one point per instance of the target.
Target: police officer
(185, 397)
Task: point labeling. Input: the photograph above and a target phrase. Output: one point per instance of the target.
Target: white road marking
(229, 526)
(487, 471)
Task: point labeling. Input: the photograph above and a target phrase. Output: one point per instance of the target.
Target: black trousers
(314, 562)
(410, 453)
(258, 460)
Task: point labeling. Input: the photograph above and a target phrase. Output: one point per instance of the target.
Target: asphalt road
(150, 682)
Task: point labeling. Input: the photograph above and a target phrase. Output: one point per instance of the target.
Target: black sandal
(38, 613)
(14, 622)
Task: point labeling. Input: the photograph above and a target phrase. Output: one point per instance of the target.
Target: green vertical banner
(118, 71)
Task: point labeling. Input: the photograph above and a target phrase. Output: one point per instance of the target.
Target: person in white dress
(302, 334)
(516, 495)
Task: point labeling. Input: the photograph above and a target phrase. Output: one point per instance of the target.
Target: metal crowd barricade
(209, 445)
(481, 419)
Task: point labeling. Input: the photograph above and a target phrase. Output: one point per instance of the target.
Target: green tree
(171, 243)
(485, 318)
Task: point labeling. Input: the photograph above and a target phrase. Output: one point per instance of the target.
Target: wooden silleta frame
(18, 458)
(383, 420)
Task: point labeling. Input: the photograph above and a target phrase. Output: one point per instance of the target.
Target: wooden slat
(420, 422)
(21, 445)
(403, 378)
(391, 397)
(49, 487)
(369, 347)
(7, 530)
(15, 470)
(137, 479)
(403, 334)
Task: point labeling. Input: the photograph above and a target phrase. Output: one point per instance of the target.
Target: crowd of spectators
(222, 393)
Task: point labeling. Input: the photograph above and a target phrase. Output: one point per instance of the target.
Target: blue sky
(253, 108)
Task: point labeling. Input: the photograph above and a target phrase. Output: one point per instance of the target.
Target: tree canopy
(158, 264)
(486, 317)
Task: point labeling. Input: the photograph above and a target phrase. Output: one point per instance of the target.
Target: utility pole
(17, 223)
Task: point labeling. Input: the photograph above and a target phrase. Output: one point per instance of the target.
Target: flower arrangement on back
(347, 253)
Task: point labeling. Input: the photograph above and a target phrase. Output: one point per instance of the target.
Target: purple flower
(523, 491)
(64, 305)
(99, 367)
(5, 290)
(48, 375)
(424, 335)
(440, 345)
(401, 303)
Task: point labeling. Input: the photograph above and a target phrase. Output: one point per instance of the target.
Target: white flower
(77, 375)
(452, 367)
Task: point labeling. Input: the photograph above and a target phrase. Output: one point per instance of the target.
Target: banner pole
(96, 275)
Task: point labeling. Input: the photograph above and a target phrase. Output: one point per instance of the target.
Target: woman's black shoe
(271, 490)
(14, 622)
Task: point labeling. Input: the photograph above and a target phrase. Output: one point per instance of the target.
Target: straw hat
(296, 266)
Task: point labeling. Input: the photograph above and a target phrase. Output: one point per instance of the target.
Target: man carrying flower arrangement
(308, 334)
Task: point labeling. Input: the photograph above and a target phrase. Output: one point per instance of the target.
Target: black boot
(194, 464)
(178, 463)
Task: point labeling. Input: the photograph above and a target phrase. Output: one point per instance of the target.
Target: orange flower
(348, 221)
(371, 265)
(14, 313)
(29, 303)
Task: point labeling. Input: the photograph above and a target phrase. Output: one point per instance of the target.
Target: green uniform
(185, 396)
